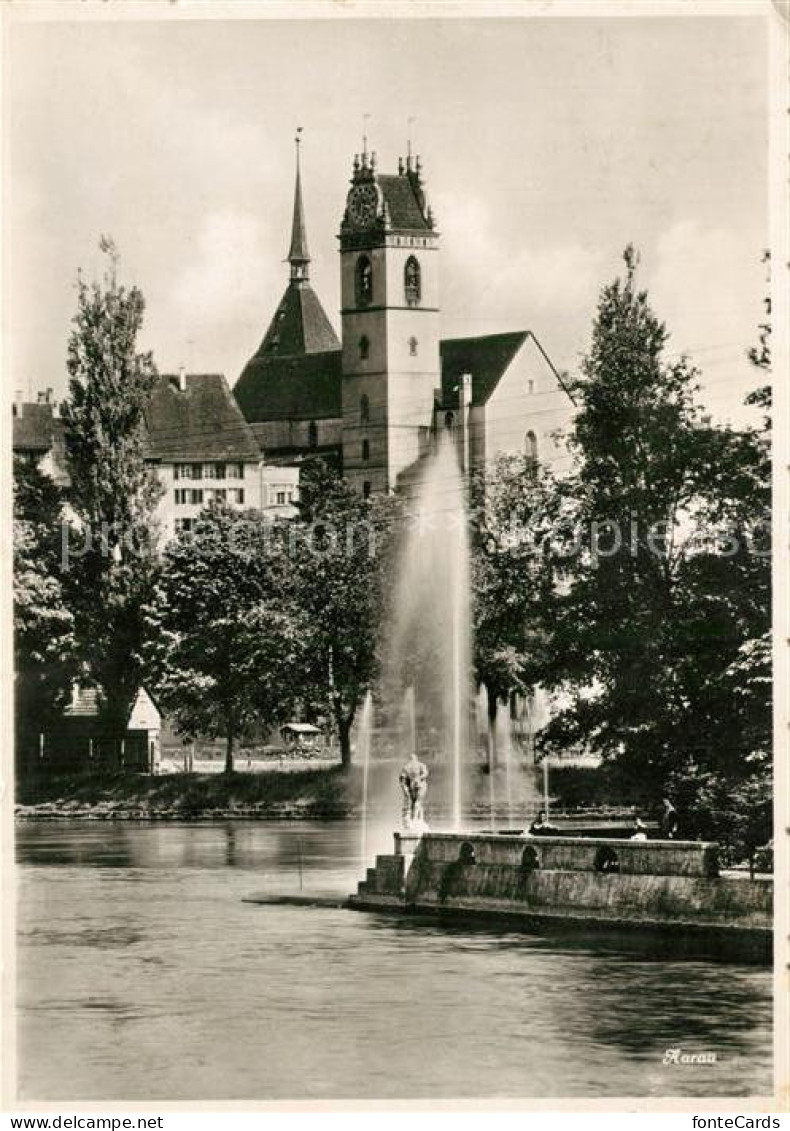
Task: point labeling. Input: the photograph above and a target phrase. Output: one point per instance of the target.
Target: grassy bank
(297, 790)
(309, 792)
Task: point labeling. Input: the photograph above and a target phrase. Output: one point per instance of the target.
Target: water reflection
(144, 975)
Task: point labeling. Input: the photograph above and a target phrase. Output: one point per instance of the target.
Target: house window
(209, 471)
(364, 347)
(413, 343)
(197, 496)
(237, 496)
(412, 281)
(183, 525)
(197, 470)
(312, 434)
(281, 498)
(366, 489)
(364, 281)
(366, 450)
(219, 470)
(220, 494)
(364, 408)
(182, 471)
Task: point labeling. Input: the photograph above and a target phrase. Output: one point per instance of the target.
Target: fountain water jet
(504, 742)
(484, 732)
(431, 630)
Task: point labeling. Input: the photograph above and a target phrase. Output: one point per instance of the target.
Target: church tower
(390, 323)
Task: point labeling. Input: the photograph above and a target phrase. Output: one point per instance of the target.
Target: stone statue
(413, 780)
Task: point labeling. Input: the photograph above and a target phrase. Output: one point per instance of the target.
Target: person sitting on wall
(541, 826)
(413, 780)
(640, 830)
(669, 820)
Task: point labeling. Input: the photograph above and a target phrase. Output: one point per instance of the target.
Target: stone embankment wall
(616, 881)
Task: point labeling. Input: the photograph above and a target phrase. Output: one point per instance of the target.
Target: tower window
(531, 448)
(413, 343)
(366, 450)
(364, 408)
(364, 347)
(312, 434)
(364, 281)
(412, 281)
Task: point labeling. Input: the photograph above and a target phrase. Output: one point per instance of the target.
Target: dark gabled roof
(280, 388)
(486, 358)
(202, 422)
(299, 326)
(402, 203)
(35, 427)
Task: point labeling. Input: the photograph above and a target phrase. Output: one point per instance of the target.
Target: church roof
(403, 205)
(486, 358)
(306, 386)
(201, 422)
(299, 326)
(298, 252)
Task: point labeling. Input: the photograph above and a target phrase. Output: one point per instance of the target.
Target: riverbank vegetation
(634, 589)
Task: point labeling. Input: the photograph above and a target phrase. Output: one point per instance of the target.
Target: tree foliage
(44, 642)
(113, 491)
(338, 561)
(230, 645)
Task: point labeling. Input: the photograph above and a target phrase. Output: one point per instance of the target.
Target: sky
(547, 146)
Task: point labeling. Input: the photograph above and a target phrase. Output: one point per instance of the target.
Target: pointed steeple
(298, 256)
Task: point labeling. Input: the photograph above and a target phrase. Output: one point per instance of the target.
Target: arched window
(364, 347)
(364, 408)
(412, 281)
(531, 448)
(366, 450)
(312, 434)
(606, 860)
(529, 859)
(364, 281)
(466, 853)
(413, 343)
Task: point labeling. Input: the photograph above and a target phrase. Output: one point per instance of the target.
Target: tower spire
(298, 256)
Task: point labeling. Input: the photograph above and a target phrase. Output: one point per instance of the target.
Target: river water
(143, 975)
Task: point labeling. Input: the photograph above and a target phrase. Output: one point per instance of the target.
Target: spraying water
(410, 721)
(504, 742)
(484, 732)
(363, 746)
(431, 632)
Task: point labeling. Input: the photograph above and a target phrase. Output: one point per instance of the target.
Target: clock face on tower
(362, 205)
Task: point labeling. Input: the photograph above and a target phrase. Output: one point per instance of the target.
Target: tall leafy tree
(517, 511)
(229, 645)
(665, 588)
(113, 492)
(338, 560)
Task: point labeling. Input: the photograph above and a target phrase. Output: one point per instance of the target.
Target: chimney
(48, 395)
(42, 397)
(182, 379)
